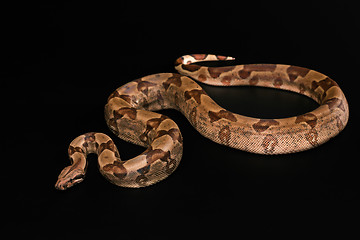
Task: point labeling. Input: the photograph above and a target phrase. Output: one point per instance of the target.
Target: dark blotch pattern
(215, 116)
(263, 124)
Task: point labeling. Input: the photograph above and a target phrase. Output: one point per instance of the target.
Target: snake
(130, 113)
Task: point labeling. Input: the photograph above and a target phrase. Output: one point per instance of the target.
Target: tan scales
(129, 114)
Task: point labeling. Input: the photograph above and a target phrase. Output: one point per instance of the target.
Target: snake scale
(129, 114)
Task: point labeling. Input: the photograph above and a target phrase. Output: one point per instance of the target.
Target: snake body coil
(129, 114)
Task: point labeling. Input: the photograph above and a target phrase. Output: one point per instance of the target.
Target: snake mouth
(60, 186)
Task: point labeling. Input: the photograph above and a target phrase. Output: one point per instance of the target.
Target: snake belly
(130, 115)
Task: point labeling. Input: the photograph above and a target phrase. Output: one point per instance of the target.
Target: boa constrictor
(129, 114)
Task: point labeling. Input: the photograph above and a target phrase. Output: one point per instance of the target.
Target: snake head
(69, 177)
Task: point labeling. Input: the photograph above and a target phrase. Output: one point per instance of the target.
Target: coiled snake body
(129, 114)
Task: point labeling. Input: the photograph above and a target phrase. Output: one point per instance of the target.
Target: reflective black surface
(63, 61)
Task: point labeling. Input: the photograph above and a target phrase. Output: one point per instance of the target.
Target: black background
(61, 62)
